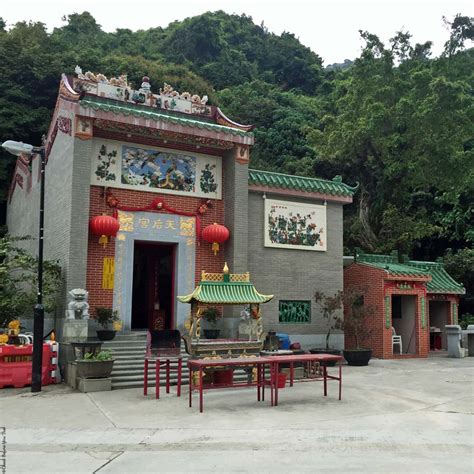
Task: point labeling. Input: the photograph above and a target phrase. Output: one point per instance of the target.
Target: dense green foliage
(395, 120)
(18, 281)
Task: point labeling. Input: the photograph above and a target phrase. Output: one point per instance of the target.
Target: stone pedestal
(71, 375)
(469, 332)
(454, 335)
(74, 330)
(94, 385)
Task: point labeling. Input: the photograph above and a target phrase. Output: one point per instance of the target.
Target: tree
(358, 315)
(462, 30)
(331, 307)
(19, 282)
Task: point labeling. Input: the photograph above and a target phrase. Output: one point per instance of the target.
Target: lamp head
(17, 148)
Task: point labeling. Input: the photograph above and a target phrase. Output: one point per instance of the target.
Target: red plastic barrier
(15, 365)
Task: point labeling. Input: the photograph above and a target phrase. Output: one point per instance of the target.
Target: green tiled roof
(301, 183)
(391, 265)
(225, 293)
(124, 108)
(441, 281)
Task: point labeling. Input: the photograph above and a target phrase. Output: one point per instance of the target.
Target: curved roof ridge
(300, 183)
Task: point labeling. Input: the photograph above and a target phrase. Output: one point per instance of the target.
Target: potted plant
(211, 315)
(357, 326)
(331, 307)
(95, 366)
(106, 318)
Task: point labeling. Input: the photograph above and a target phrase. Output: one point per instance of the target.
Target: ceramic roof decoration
(106, 105)
(167, 100)
(301, 183)
(225, 288)
(437, 278)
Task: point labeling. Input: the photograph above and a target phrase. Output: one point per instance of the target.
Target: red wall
(205, 259)
(374, 280)
(371, 279)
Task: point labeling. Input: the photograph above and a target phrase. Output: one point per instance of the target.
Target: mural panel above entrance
(131, 166)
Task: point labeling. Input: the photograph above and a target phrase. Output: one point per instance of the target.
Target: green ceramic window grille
(294, 312)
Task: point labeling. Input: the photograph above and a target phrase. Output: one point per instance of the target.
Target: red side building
(411, 299)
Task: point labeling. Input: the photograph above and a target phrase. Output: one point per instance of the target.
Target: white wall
(405, 326)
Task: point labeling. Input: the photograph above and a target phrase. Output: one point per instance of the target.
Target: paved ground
(395, 416)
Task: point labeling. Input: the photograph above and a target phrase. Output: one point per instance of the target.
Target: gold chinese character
(186, 226)
(170, 225)
(126, 221)
(144, 222)
(158, 224)
(189, 242)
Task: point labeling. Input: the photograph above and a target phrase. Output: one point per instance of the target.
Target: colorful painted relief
(208, 180)
(294, 225)
(152, 169)
(294, 312)
(106, 160)
(157, 169)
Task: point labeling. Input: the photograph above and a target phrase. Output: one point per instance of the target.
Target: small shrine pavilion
(411, 299)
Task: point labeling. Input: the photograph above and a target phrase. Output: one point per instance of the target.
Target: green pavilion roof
(440, 280)
(300, 183)
(125, 108)
(219, 288)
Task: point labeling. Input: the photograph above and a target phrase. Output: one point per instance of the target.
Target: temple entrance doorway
(439, 317)
(153, 298)
(404, 321)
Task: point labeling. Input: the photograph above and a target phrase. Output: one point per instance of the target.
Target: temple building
(168, 167)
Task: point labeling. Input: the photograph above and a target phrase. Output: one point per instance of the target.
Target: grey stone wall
(80, 199)
(66, 212)
(235, 180)
(295, 274)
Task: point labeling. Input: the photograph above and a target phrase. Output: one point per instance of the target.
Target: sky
(329, 28)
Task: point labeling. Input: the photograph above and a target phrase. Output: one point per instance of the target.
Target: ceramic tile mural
(158, 169)
(155, 169)
(295, 225)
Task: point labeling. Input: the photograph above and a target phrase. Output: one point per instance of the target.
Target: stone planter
(94, 369)
(358, 357)
(105, 334)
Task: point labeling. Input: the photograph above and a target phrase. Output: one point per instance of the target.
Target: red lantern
(105, 226)
(215, 234)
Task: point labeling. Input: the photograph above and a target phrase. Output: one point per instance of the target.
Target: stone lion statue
(78, 307)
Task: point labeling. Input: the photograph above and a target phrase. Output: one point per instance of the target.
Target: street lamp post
(18, 148)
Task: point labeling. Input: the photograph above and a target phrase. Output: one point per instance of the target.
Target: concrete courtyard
(395, 416)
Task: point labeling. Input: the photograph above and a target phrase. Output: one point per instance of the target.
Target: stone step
(134, 357)
(120, 344)
(128, 352)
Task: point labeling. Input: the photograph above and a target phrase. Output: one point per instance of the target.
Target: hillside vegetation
(395, 120)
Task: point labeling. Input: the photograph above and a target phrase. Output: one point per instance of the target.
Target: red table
(302, 358)
(199, 365)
